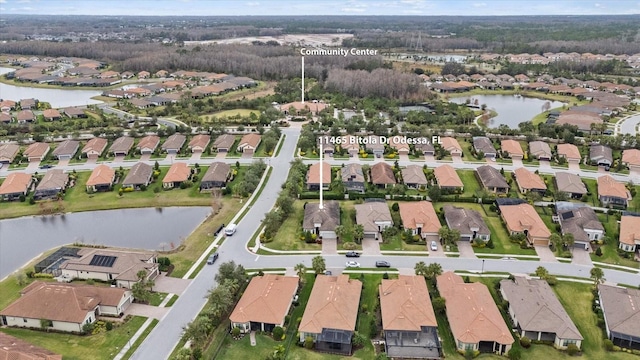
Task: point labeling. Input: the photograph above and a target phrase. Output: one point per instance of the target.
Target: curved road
(165, 336)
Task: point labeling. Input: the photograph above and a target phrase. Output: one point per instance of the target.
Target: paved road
(627, 125)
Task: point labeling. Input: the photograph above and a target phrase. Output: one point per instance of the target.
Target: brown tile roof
(12, 348)
(467, 221)
(446, 176)
(490, 177)
(537, 308)
(15, 183)
(313, 174)
(471, 312)
(8, 152)
(352, 172)
(53, 179)
(570, 183)
(224, 141)
(512, 147)
(95, 145)
(620, 307)
(266, 300)
(4, 117)
(450, 144)
(630, 230)
(125, 267)
(140, 173)
(25, 115)
(177, 172)
(569, 151)
(121, 144)
(149, 142)
(421, 214)
(313, 107)
(102, 174)
(217, 171)
(368, 213)
(251, 139)
(51, 114)
(199, 141)
(328, 217)
(482, 143)
(174, 141)
(528, 180)
(577, 219)
(539, 149)
(631, 157)
(521, 217)
(62, 302)
(608, 186)
(413, 174)
(73, 111)
(67, 147)
(37, 149)
(405, 304)
(333, 304)
(382, 173)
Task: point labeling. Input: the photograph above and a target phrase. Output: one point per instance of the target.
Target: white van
(230, 230)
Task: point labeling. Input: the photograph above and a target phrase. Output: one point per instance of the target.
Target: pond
(511, 110)
(56, 97)
(24, 238)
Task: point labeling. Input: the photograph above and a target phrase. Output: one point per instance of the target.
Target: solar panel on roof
(103, 260)
(567, 215)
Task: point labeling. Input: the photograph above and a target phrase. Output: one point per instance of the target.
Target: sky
(318, 7)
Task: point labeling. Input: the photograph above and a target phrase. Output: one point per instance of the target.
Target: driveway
(404, 157)
(429, 158)
(145, 157)
(545, 164)
(370, 247)
(581, 257)
(466, 251)
(437, 253)
(33, 165)
(170, 285)
(457, 159)
(118, 159)
(545, 254)
(146, 311)
(221, 155)
(247, 155)
(195, 156)
(63, 162)
(574, 165)
(91, 161)
(329, 246)
(516, 162)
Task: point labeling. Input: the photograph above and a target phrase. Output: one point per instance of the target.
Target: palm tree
(542, 272)
(340, 231)
(597, 274)
(300, 269)
(421, 268)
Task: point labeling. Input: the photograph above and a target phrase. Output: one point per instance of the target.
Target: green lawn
(229, 114)
(157, 298)
(471, 185)
(610, 249)
(75, 347)
(288, 236)
(242, 349)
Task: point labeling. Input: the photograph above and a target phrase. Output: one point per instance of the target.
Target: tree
(300, 269)
(556, 240)
(358, 233)
(198, 330)
(568, 240)
(433, 270)
(439, 304)
(572, 349)
(421, 268)
(450, 236)
(141, 290)
(597, 274)
(230, 271)
(308, 342)
(542, 272)
(277, 333)
(435, 194)
(318, 264)
(340, 231)
(21, 278)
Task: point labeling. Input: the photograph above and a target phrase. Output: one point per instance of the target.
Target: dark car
(382, 264)
(46, 166)
(353, 254)
(212, 259)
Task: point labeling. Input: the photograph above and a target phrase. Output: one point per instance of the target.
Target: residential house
(621, 316)
(174, 143)
(216, 176)
(413, 176)
(249, 143)
(94, 148)
(144, 75)
(51, 115)
(53, 183)
(571, 184)
(447, 178)
(529, 181)
(523, 219)
(612, 193)
(483, 145)
(408, 320)
(12, 348)
(468, 222)
(537, 313)
(29, 104)
(119, 267)
(148, 144)
(491, 179)
(374, 216)
(375, 145)
(353, 178)
(199, 143)
(569, 152)
(399, 145)
(8, 152)
(139, 177)
(512, 149)
(631, 158)
(581, 221)
(313, 179)
(177, 174)
(64, 307)
(101, 179)
(121, 146)
(298, 108)
(601, 155)
(351, 146)
(15, 185)
(629, 233)
(5, 118)
(331, 313)
(265, 303)
(451, 145)
(421, 219)
(66, 149)
(382, 175)
(25, 116)
(321, 221)
(224, 143)
(540, 150)
(7, 105)
(474, 318)
(74, 112)
(426, 148)
(37, 151)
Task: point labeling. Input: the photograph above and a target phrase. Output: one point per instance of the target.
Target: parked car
(353, 254)
(212, 259)
(354, 264)
(434, 246)
(46, 166)
(328, 272)
(231, 229)
(382, 263)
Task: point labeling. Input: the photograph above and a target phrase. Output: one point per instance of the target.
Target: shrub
(515, 353)
(373, 328)
(395, 206)
(552, 280)
(598, 251)
(490, 244)
(156, 189)
(22, 198)
(468, 354)
(608, 345)
(235, 332)
(308, 342)
(42, 276)
(88, 328)
(358, 340)
(572, 349)
(31, 200)
(349, 245)
(525, 342)
(364, 308)
(90, 282)
(385, 275)
(108, 325)
(277, 333)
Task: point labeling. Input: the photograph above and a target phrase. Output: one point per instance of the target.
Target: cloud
(253, 3)
(3, 1)
(412, 2)
(24, 1)
(479, 4)
(598, 5)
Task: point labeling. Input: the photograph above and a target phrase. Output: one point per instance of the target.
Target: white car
(434, 246)
(353, 264)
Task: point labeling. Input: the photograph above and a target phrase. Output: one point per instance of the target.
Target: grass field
(103, 346)
(610, 249)
(471, 185)
(229, 114)
(287, 237)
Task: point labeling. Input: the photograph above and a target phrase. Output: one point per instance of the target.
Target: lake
(56, 97)
(22, 239)
(511, 110)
